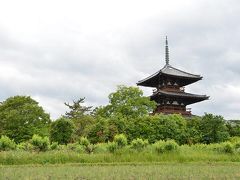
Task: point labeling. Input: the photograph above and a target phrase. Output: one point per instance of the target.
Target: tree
(79, 115)
(127, 102)
(157, 127)
(77, 110)
(233, 127)
(21, 117)
(213, 129)
(99, 131)
(193, 134)
(62, 131)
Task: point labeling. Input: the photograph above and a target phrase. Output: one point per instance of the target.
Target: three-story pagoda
(169, 94)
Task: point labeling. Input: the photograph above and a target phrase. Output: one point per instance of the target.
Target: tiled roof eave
(187, 95)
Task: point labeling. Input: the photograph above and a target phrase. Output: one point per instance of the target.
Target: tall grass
(184, 154)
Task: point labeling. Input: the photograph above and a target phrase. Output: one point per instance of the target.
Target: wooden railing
(171, 110)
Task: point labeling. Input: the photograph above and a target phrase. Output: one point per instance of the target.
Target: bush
(165, 146)
(76, 147)
(138, 144)
(227, 147)
(112, 147)
(101, 148)
(79, 149)
(84, 141)
(72, 146)
(39, 143)
(54, 146)
(6, 144)
(90, 148)
(120, 140)
(26, 146)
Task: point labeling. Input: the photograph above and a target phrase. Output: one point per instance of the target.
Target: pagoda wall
(170, 109)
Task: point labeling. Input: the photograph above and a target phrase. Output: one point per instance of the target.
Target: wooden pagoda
(169, 94)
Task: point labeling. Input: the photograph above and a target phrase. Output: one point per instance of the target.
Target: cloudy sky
(57, 51)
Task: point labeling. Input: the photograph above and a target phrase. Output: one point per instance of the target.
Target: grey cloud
(66, 62)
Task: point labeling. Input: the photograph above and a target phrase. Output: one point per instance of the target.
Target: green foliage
(166, 146)
(233, 128)
(79, 115)
(26, 146)
(101, 148)
(98, 132)
(39, 143)
(77, 110)
(90, 148)
(139, 144)
(120, 140)
(21, 117)
(112, 147)
(6, 144)
(54, 146)
(193, 133)
(157, 127)
(213, 129)
(84, 141)
(62, 131)
(227, 147)
(126, 102)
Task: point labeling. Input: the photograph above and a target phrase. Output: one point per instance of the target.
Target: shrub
(112, 147)
(227, 147)
(120, 140)
(101, 148)
(171, 145)
(236, 142)
(6, 144)
(62, 147)
(39, 143)
(237, 145)
(84, 141)
(76, 147)
(26, 146)
(79, 149)
(90, 148)
(72, 146)
(54, 146)
(138, 144)
(235, 139)
(165, 146)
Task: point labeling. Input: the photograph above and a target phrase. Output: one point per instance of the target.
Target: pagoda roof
(188, 97)
(168, 70)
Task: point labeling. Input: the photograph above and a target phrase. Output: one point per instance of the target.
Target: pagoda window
(168, 102)
(169, 83)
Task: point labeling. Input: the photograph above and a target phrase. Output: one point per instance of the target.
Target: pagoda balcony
(172, 89)
(174, 110)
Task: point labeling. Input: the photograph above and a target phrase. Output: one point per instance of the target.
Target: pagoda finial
(166, 52)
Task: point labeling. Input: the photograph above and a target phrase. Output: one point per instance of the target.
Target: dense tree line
(127, 113)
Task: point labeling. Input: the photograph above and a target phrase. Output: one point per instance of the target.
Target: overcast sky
(58, 51)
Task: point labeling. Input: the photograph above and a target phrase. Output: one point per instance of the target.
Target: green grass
(61, 157)
(124, 171)
(185, 153)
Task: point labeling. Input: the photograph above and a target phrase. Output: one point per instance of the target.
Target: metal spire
(166, 52)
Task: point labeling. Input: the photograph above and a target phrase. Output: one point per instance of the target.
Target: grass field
(185, 154)
(123, 171)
